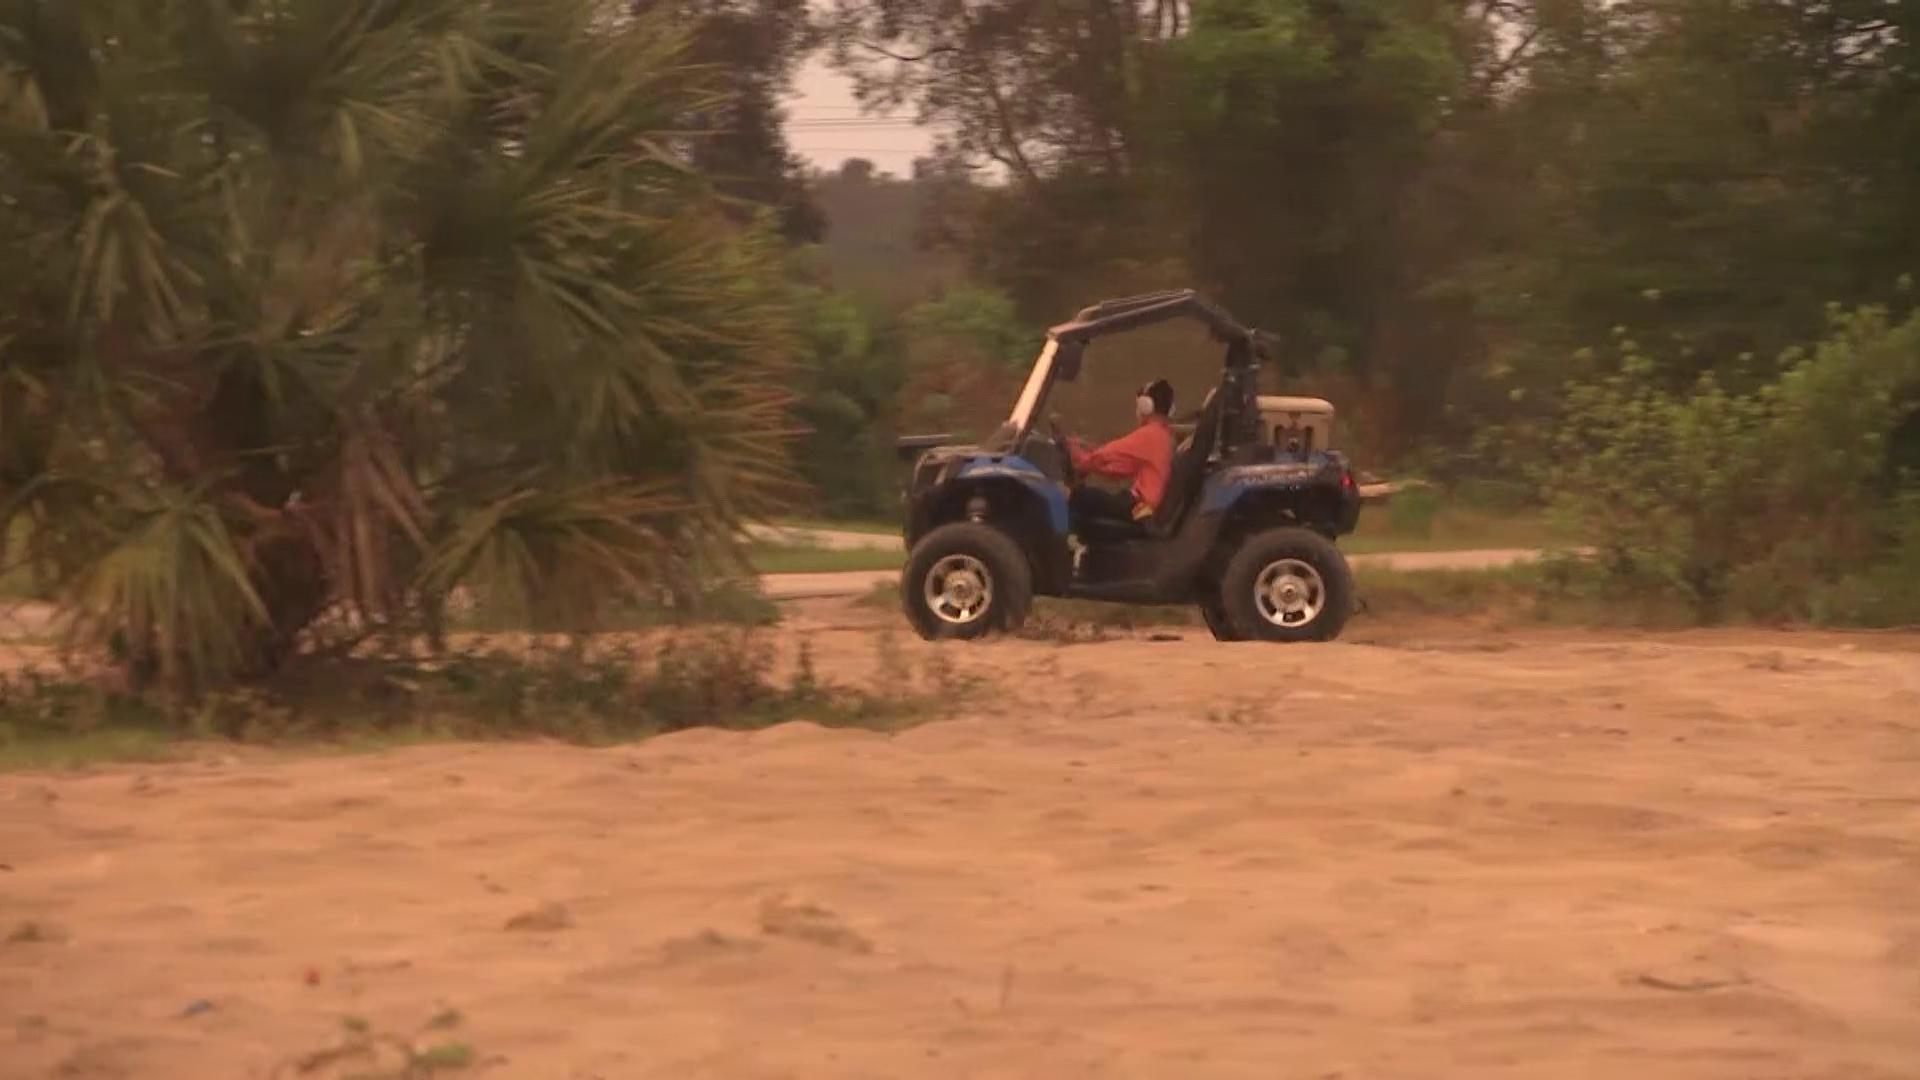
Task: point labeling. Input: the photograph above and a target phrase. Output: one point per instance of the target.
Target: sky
(825, 125)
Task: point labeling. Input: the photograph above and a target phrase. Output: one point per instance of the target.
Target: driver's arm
(1076, 450)
(1121, 458)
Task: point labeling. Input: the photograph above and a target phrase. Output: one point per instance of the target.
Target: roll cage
(1066, 342)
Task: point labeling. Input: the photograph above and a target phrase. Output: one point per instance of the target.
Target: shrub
(589, 691)
(1780, 503)
(1411, 511)
(326, 306)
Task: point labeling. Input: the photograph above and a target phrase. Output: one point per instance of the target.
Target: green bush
(1777, 504)
(590, 691)
(1411, 511)
(850, 374)
(394, 301)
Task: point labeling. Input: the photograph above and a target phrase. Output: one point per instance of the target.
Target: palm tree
(316, 306)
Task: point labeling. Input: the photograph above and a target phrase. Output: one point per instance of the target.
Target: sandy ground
(1421, 853)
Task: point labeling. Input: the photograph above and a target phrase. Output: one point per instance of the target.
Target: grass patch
(53, 720)
(1417, 594)
(1414, 521)
(874, 528)
(589, 691)
(1558, 589)
(39, 752)
(788, 559)
(1567, 590)
(368, 1054)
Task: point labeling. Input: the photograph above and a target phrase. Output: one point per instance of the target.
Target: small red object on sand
(313, 976)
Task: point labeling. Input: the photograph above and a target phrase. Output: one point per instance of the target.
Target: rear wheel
(966, 580)
(1287, 584)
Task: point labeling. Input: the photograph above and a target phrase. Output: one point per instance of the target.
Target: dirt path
(1425, 857)
(854, 540)
(861, 582)
(31, 619)
(831, 539)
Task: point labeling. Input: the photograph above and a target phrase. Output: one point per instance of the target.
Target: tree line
(1615, 254)
(320, 315)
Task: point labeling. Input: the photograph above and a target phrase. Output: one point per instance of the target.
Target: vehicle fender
(1019, 470)
(1229, 486)
(1020, 495)
(1312, 491)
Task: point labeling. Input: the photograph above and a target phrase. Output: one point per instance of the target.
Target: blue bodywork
(1225, 487)
(1153, 565)
(1026, 473)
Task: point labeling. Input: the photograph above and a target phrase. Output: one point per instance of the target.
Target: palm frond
(556, 557)
(405, 294)
(174, 590)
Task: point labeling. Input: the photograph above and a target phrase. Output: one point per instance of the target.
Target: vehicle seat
(1183, 482)
(1189, 468)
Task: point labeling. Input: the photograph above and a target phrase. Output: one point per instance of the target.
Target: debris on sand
(544, 919)
(781, 917)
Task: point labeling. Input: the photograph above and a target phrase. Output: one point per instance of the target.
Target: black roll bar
(1133, 312)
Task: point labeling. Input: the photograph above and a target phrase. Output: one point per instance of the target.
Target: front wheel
(1214, 614)
(1287, 584)
(966, 580)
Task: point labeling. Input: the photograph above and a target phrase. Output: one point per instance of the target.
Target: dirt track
(860, 582)
(1435, 855)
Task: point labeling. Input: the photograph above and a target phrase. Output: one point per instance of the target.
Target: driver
(1143, 455)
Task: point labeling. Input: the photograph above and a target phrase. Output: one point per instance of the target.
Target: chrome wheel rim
(1289, 593)
(958, 590)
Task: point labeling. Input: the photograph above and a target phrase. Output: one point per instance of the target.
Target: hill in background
(874, 245)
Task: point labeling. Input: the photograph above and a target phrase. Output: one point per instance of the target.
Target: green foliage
(1264, 62)
(1699, 194)
(1412, 510)
(867, 372)
(973, 325)
(851, 381)
(511, 686)
(966, 353)
(1777, 503)
(1444, 200)
(344, 305)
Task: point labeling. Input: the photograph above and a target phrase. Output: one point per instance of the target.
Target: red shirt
(1144, 454)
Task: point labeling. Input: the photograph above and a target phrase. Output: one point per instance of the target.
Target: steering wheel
(1067, 472)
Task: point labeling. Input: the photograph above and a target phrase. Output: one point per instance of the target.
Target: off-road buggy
(1245, 529)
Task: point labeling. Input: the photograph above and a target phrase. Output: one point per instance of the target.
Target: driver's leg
(1088, 503)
